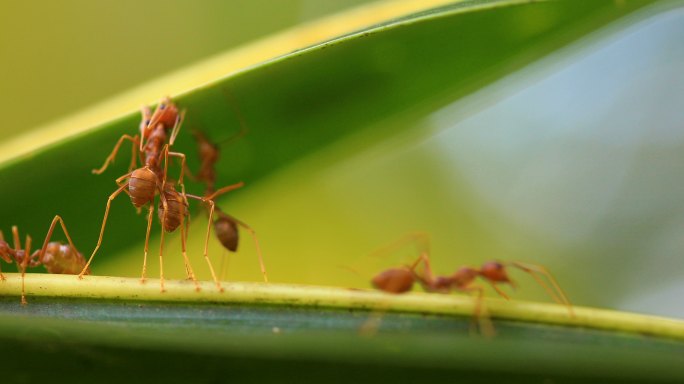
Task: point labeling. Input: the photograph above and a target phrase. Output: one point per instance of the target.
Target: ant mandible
(225, 225)
(144, 183)
(54, 256)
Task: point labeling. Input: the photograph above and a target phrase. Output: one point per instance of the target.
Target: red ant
(225, 226)
(144, 183)
(54, 256)
(401, 280)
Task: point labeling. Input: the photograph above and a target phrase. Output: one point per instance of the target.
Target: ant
(175, 213)
(225, 225)
(158, 132)
(54, 256)
(401, 280)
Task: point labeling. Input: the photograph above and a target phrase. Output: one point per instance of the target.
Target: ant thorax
(153, 147)
(463, 276)
(440, 284)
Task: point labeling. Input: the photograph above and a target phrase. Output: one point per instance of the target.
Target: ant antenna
(558, 295)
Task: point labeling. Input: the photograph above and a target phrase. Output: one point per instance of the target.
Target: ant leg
(187, 172)
(224, 264)
(183, 166)
(233, 104)
(210, 201)
(355, 271)
(372, 324)
(223, 190)
(147, 242)
(533, 270)
(420, 239)
(176, 127)
(256, 244)
(15, 238)
(112, 156)
(498, 290)
(144, 123)
(165, 155)
(3, 256)
(480, 313)
(206, 240)
(161, 259)
(120, 182)
(57, 218)
(188, 268)
(24, 263)
(206, 245)
(165, 207)
(104, 223)
(427, 281)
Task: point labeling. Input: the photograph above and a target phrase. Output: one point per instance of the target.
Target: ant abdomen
(227, 233)
(5, 250)
(142, 186)
(62, 259)
(394, 280)
(177, 208)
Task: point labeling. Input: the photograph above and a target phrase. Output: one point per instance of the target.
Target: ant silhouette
(56, 257)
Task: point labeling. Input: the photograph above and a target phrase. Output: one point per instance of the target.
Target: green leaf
(351, 92)
(393, 73)
(111, 324)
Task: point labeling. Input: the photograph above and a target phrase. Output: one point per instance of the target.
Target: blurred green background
(60, 57)
(574, 162)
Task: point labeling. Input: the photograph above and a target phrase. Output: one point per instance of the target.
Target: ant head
(394, 280)
(209, 151)
(165, 114)
(495, 272)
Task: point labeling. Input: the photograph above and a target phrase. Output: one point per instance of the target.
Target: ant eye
(147, 122)
(162, 106)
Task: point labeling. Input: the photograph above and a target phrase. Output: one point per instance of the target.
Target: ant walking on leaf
(56, 257)
(401, 279)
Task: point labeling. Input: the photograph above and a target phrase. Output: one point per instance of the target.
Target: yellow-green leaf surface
(315, 104)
